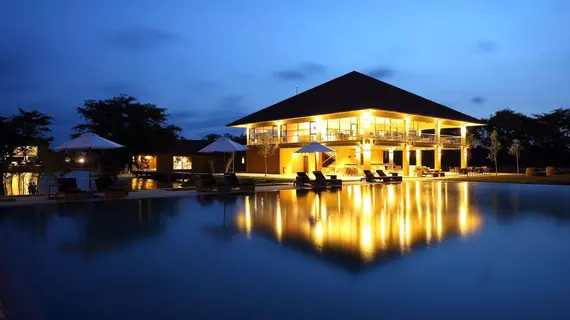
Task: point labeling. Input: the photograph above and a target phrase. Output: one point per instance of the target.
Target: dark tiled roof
(178, 147)
(350, 92)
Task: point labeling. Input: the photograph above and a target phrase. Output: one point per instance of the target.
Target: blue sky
(211, 62)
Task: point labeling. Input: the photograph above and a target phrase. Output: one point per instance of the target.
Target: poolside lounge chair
(110, 189)
(430, 172)
(67, 190)
(392, 178)
(320, 177)
(207, 182)
(370, 177)
(303, 180)
(232, 180)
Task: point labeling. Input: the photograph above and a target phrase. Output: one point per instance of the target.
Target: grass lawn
(514, 178)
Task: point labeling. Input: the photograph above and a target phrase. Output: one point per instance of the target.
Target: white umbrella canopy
(223, 144)
(314, 147)
(88, 141)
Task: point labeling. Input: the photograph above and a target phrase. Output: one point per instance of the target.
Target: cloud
(226, 110)
(477, 100)
(381, 73)
(140, 38)
(485, 46)
(302, 72)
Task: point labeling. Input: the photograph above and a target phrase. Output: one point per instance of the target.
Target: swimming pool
(418, 249)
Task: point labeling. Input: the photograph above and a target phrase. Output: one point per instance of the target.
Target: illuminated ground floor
(351, 160)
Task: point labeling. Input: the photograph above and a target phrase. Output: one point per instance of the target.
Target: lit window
(242, 160)
(181, 163)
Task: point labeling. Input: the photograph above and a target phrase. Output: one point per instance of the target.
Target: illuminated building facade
(363, 119)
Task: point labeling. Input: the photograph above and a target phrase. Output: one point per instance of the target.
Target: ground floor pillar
(418, 158)
(464, 152)
(406, 161)
(391, 159)
(437, 158)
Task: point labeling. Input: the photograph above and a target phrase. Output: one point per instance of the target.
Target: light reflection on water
(363, 221)
(16, 184)
(496, 250)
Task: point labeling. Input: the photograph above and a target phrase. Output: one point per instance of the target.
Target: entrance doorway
(306, 164)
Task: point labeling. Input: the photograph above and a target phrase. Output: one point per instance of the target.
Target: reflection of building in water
(363, 221)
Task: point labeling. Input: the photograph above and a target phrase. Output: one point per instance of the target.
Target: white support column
(247, 135)
(391, 158)
(418, 157)
(406, 160)
(464, 151)
(406, 151)
(437, 152)
(278, 133)
(464, 147)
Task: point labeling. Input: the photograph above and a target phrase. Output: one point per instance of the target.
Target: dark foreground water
(434, 249)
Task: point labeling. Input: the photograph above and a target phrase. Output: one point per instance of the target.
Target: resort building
(367, 122)
(184, 156)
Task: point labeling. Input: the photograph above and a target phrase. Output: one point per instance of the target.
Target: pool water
(418, 249)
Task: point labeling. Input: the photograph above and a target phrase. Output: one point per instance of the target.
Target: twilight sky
(211, 62)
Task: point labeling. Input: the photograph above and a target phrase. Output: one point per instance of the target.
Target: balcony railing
(389, 136)
(454, 140)
(427, 138)
(378, 137)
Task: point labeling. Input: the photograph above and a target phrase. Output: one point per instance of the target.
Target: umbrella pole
(316, 167)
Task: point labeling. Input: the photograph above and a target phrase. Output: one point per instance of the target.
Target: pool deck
(285, 185)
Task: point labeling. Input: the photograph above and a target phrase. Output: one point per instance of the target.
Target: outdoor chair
(370, 177)
(303, 180)
(393, 178)
(111, 189)
(431, 172)
(420, 171)
(207, 182)
(67, 190)
(232, 180)
(319, 176)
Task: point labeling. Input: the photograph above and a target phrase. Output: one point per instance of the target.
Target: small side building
(184, 156)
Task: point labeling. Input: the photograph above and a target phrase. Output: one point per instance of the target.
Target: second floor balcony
(379, 137)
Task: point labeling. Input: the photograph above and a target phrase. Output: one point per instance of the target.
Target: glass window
(26, 151)
(181, 163)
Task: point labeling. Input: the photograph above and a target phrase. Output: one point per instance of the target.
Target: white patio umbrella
(88, 141)
(314, 147)
(223, 145)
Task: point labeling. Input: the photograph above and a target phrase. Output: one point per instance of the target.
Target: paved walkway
(142, 194)
(164, 193)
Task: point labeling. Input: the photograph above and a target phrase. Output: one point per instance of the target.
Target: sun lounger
(233, 181)
(320, 177)
(110, 189)
(392, 178)
(207, 182)
(370, 177)
(303, 180)
(430, 172)
(67, 190)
